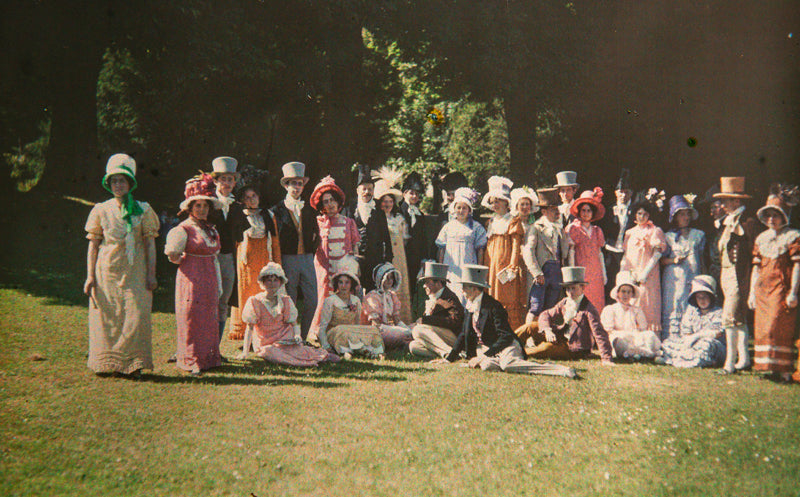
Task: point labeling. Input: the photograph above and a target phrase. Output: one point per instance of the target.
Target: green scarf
(130, 207)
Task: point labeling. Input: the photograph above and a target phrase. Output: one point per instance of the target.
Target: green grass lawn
(397, 427)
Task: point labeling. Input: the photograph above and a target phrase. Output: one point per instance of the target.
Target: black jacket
(376, 245)
(447, 313)
(287, 232)
(496, 333)
(610, 224)
(417, 246)
(225, 227)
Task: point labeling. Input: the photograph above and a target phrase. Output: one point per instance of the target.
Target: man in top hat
(486, 337)
(417, 245)
(361, 211)
(298, 234)
(736, 257)
(711, 225)
(567, 185)
(566, 330)
(434, 334)
(622, 219)
(545, 251)
(225, 176)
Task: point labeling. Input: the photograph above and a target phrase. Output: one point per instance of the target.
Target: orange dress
(503, 249)
(775, 254)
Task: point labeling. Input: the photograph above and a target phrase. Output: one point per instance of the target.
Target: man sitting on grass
(486, 336)
(436, 331)
(566, 330)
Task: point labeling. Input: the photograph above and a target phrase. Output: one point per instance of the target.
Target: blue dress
(706, 351)
(676, 280)
(461, 242)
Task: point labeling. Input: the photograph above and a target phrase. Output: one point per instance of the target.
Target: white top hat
(224, 165)
(624, 278)
(293, 170)
(499, 187)
(434, 271)
(567, 178)
(474, 274)
(573, 274)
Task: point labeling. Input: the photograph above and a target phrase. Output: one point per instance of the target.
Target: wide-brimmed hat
(781, 198)
(347, 266)
(731, 187)
(679, 203)
(386, 180)
(434, 271)
(518, 194)
(224, 165)
(293, 170)
(624, 278)
(364, 174)
(703, 283)
(273, 269)
(593, 198)
(566, 178)
(326, 184)
(475, 274)
(548, 197)
(413, 182)
(381, 271)
(120, 164)
(466, 195)
(453, 181)
(499, 188)
(571, 275)
(624, 181)
(200, 188)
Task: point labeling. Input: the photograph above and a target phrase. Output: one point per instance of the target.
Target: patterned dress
(461, 242)
(274, 325)
(588, 246)
(340, 328)
(775, 254)
(697, 345)
(676, 279)
(119, 327)
(338, 240)
(641, 242)
(505, 235)
(383, 307)
(197, 290)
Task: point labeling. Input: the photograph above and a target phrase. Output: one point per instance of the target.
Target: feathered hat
(413, 182)
(200, 187)
(386, 178)
(781, 198)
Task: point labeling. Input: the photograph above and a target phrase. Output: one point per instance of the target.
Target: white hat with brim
(215, 203)
(293, 170)
(382, 188)
(624, 278)
(475, 275)
(518, 194)
(346, 267)
(383, 270)
(499, 188)
(120, 164)
(224, 165)
(272, 269)
(703, 283)
(775, 203)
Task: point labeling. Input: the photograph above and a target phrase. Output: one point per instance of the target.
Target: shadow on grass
(212, 378)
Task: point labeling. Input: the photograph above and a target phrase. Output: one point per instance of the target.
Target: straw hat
(679, 203)
(120, 164)
(200, 188)
(346, 267)
(593, 198)
(387, 178)
(781, 198)
(731, 187)
(624, 278)
(703, 283)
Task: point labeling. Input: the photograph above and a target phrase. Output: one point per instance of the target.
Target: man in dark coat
(435, 332)
(417, 246)
(486, 337)
(619, 219)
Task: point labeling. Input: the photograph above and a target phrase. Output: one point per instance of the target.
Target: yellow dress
(502, 250)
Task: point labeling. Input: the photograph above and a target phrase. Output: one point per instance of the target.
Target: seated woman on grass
(382, 308)
(271, 320)
(625, 322)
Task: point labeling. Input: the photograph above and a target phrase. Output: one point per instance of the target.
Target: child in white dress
(626, 324)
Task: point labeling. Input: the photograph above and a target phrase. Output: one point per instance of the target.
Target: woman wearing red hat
(587, 241)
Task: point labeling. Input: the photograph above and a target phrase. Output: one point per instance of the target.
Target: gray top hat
(572, 275)
(474, 274)
(224, 165)
(566, 178)
(293, 170)
(434, 271)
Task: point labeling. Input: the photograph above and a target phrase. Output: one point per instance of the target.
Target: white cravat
(414, 211)
(294, 205)
(571, 309)
(365, 209)
(226, 202)
(431, 302)
(474, 306)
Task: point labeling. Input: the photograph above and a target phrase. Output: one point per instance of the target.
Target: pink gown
(639, 246)
(338, 240)
(381, 306)
(276, 333)
(587, 250)
(196, 296)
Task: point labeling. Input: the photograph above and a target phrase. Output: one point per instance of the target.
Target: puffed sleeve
(441, 239)
(94, 229)
(479, 236)
(352, 232)
(794, 250)
(251, 314)
(373, 306)
(290, 311)
(325, 317)
(607, 318)
(150, 222)
(657, 240)
(176, 241)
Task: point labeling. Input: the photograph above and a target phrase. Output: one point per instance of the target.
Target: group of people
(307, 282)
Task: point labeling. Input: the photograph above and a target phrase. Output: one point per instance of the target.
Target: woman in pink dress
(272, 325)
(193, 245)
(338, 236)
(586, 242)
(642, 248)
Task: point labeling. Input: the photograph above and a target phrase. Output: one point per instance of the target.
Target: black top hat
(624, 182)
(708, 198)
(364, 174)
(453, 181)
(413, 182)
